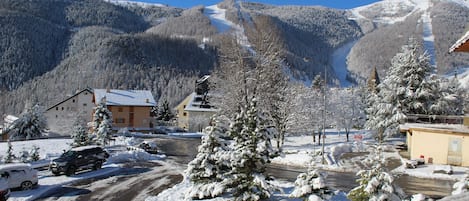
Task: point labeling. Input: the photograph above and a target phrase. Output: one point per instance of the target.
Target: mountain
(388, 24)
(51, 48)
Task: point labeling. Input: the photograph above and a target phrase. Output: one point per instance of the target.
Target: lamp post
(324, 116)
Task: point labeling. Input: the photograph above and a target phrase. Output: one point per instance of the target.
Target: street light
(324, 116)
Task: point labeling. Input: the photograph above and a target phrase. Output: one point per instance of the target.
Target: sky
(339, 4)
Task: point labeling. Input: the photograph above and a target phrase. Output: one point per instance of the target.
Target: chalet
(439, 143)
(461, 45)
(61, 116)
(130, 109)
(194, 112)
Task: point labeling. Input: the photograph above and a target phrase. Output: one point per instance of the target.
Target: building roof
(125, 97)
(197, 106)
(461, 45)
(443, 128)
(74, 95)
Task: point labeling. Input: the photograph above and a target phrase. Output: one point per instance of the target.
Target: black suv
(80, 158)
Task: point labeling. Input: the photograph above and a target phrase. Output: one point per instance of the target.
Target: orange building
(130, 109)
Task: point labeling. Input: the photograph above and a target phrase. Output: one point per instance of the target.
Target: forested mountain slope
(393, 22)
(51, 48)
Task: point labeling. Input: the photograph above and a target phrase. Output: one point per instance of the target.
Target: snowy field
(52, 148)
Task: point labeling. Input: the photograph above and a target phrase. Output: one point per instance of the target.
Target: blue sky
(340, 4)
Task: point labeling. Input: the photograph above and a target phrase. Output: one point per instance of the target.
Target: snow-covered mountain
(389, 23)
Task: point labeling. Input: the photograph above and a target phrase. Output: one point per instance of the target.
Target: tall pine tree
(405, 90)
(206, 172)
(102, 123)
(252, 152)
(80, 135)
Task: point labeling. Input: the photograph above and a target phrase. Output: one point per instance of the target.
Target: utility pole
(324, 116)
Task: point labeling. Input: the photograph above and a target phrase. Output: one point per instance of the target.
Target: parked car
(4, 190)
(19, 175)
(149, 147)
(80, 158)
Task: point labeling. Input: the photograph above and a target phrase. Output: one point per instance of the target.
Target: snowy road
(135, 181)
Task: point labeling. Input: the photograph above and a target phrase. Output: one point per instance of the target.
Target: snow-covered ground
(300, 151)
(52, 148)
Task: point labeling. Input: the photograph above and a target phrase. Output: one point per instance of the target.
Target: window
(120, 120)
(73, 100)
(184, 114)
(56, 108)
(184, 106)
(119, 109)
(84, 105)
(62, 108)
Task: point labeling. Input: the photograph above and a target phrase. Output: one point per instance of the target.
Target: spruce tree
(31, 124)
(405, 90)
(10, 156)
(102, 123)
(206, 171)
(34, 153)
(80, 135)
(24, 157)
(164, 112)
(375, 183)
(252, 152)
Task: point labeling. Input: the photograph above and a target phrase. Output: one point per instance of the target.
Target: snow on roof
(442, 127)
(14, 166)
(195, 106)
(9, 119)
(125, 97)
(459, 43)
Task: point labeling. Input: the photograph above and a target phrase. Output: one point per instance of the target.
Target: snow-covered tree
(347, 108)
(375, 184)
(306, 113)
(31, 124)
(24, 156)
(164, 112)
(10, 156)
(206, 171)
(102, 123)
(450, 98)
(80, 135)
(405, 90)
(251, 153)
(311, 186)
(34, 153)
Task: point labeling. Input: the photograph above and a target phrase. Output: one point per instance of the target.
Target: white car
(19, 175)
(4, 190)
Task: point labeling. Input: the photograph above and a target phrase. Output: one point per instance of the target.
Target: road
(139, 180)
